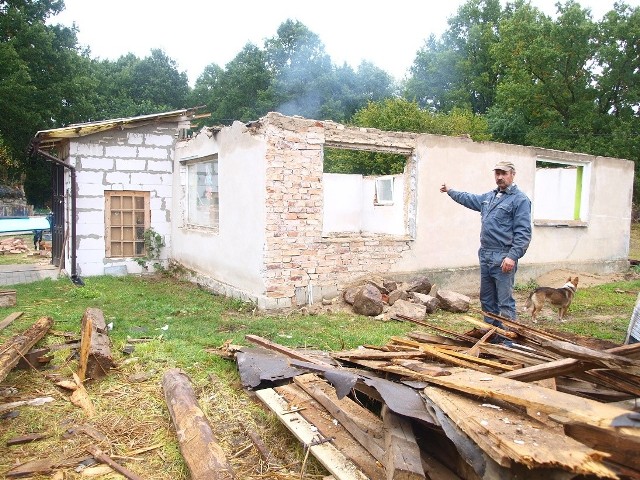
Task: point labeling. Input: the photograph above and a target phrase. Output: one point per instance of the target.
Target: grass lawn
(132, 415)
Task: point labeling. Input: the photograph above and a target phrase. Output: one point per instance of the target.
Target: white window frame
(202, 189)
(381, 189)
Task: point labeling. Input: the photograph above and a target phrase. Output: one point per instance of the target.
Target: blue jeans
(496, 287)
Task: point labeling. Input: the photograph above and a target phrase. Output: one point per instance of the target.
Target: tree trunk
(198, 444)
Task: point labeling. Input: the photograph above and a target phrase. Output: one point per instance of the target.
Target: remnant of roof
(47, 139)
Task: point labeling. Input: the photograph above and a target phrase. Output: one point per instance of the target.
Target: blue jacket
(506, 219)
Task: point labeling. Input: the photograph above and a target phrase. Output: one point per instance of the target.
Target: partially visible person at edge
(505, 215)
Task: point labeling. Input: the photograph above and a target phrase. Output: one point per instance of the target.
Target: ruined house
(248, 211)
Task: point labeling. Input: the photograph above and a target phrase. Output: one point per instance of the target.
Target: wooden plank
(289, 352)
(573, 409)
(442, 356)
(475, 350)
(31, 437)
(482, 324)
(565, 366)
(366, 430)
(40, 466)
(318, 416)
(328, 455)
(402, 458)
(104, 458)
(623, 450)
(95, 346)
(507, 435)
(524, 394)
(596, 357)
(10, 319)
(369, 354)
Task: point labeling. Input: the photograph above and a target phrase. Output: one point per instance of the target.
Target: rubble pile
(14, 245)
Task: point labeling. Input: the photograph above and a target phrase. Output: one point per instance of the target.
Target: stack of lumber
(445, 405)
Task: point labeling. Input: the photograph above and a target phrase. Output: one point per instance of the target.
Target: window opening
(561, 192)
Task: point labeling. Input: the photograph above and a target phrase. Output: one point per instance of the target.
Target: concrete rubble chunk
(453, 302)
(350, 293)
(407, 309)
(432, 303)
(396, 295)
(419, 285)
(368, 301)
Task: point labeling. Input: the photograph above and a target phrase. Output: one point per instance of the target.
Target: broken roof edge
(49, 138)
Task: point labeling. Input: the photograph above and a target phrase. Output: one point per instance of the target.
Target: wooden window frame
(124, 234)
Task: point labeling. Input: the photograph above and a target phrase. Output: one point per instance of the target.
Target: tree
(241, 91)
(547, 86)
(297, 60)
(42, 74)
(459, 71)
(131, 86)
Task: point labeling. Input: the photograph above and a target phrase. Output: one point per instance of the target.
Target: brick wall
(301, 264)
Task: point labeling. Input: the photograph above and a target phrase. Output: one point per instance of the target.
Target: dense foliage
(508, 73)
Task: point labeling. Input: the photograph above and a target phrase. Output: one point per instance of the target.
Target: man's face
(504, 178)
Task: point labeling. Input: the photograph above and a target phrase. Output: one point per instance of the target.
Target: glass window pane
(139, 203)
(127, 203)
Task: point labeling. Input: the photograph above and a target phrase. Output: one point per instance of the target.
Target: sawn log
(95, 346)
(198, 444)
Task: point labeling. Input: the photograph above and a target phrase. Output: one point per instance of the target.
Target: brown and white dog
(558, 297)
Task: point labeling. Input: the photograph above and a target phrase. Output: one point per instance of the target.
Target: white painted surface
(232, 254)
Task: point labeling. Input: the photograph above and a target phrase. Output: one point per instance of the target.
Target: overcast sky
(196, 33)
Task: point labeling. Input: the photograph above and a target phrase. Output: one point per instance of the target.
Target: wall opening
(364, 192)
(561, 193)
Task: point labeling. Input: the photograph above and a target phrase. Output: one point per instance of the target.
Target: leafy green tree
(459, 70)
(241, 91)
(42, 75)
(547, 88)
(131, 86)
(301, 70)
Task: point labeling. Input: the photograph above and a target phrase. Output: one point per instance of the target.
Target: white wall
(448, 233)
(232, 254)
(349, 205)
(135, 159)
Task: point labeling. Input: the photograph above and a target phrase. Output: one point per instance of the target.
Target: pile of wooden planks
(542, 406)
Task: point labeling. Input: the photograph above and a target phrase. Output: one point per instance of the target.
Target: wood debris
(539, 406)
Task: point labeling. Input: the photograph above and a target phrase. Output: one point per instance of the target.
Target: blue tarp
(23, 224)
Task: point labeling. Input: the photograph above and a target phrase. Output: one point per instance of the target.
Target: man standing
(505, 215)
